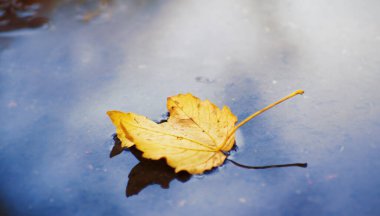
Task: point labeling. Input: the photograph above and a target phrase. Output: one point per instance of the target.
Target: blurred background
(64, 63)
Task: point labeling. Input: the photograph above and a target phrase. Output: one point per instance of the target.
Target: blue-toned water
(58, 80)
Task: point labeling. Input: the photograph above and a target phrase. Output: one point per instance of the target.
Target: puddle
(60, 75)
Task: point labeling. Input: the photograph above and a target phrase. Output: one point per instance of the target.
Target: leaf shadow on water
(147, 172)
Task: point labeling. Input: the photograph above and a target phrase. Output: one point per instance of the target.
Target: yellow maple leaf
(195, 138)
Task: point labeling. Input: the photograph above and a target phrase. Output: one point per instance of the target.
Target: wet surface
(58, 80)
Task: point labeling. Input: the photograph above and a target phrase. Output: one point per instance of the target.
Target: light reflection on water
(57, 84)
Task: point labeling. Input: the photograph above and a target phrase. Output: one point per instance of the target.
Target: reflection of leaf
(149, 172)
(195, 138)
(117, 148)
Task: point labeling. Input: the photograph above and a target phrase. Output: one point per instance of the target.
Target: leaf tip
(111, 113)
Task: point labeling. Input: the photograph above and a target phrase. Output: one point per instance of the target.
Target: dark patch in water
(147, 172)
(24, 14)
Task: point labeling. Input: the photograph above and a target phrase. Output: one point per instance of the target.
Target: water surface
(58, 79)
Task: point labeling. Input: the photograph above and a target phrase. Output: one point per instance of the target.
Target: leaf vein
(203, 130)
(173, 135)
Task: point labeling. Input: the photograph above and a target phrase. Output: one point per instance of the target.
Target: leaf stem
(303, 165)
(266, 108)
(259, 112)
